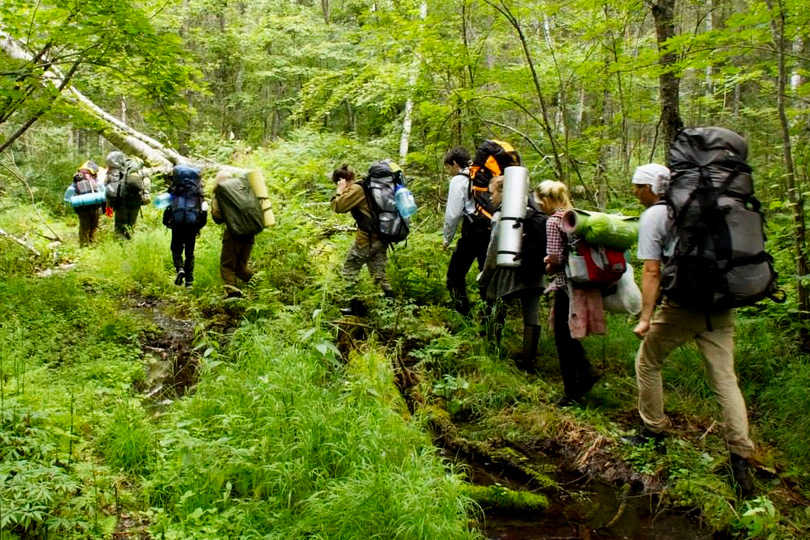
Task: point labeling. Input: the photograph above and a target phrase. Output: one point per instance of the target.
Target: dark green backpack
(240, 208)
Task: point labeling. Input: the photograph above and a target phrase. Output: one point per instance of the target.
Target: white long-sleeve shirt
(459, 203)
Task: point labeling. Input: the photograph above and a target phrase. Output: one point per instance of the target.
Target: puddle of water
(580, 510)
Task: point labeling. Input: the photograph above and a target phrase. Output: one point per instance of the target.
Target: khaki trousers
(670, 328)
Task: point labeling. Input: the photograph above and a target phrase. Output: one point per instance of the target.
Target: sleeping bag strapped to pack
(719, 259)
(185, 208)
(240, 208)
(492, 157)
(384, 177)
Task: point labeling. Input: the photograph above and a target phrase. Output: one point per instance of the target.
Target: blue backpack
(187, 198)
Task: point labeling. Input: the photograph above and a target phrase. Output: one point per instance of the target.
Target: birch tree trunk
(407, 120)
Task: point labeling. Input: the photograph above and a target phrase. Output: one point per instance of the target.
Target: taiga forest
(273, 406)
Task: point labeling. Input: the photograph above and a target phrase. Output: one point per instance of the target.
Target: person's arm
(555, 246)
(650, 286)
(347, 197)
(455, 208)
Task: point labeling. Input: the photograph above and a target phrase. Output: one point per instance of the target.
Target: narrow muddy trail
(582, 504)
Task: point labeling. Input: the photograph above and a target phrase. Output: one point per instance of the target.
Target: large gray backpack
(719, 259)
(383, 180)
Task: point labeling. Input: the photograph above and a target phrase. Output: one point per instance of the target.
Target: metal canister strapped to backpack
(719, 259)
(513, 211)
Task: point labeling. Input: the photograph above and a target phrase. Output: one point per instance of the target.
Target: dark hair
(343, 173)
(457, 155)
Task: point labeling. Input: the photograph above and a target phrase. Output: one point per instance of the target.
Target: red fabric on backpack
(589, 264)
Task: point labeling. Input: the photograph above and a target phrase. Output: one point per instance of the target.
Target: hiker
(85, 182)
(186, 215)
(472, 245)
(503, 284)
(577, 373)
(127, 189)
(671, 325)
(369, 248)
(234, 204)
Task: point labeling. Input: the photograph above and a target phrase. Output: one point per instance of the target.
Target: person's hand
(641, 329)
(341, 186)
(553, 264)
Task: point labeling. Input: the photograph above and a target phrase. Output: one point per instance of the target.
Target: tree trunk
(127, 139)
(407, 121)
(794, 194)
(663, 13)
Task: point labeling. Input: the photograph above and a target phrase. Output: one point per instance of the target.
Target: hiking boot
(181, 276)
(356, 308)
(232, 292)
(189, 284)
(741, 475)
(531, 338)
(645, 437)
(566, 401)
(589, 381)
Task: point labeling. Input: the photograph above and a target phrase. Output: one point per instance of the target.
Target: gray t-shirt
(653, 243)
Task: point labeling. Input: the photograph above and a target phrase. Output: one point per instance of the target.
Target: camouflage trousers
(373, 255)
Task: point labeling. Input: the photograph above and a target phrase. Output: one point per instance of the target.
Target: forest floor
(132, 408)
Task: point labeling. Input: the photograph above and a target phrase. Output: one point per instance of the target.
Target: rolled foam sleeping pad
(88, 199)
(611, 230)
(256, 180)
(513, 210)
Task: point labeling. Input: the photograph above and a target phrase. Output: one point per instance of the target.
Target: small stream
(581, 508)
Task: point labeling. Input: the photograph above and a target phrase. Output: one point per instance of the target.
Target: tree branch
(4, 234)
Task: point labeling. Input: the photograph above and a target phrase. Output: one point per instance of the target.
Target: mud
(170, 361)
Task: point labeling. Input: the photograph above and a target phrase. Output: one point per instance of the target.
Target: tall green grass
(276, 443)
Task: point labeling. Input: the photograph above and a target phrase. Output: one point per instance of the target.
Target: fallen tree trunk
(157, 156)
(4, 234)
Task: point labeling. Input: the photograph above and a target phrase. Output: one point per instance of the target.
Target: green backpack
(240, 208)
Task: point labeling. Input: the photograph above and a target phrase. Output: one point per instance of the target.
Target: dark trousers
(577, 373)
(233, 262)
(88, 224)
(184, 238)
(125, 218)
(472, 246)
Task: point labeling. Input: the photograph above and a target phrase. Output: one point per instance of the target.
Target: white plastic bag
(627, 298)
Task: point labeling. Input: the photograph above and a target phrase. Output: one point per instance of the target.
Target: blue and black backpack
(185, 208)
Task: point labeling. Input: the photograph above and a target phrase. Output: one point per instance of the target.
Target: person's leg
(356, 258)
(467, 250)
(84, 226)
(177, 254)
(530, 306)
(190, 242)
(670, 328)
(717, 350)
(227, 260)
(244, 248)
(377, 265)
(569, 350)
(94, 218)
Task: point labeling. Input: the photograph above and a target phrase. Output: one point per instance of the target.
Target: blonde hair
(555, 193)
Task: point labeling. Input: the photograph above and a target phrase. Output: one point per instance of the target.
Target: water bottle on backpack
(406, 205)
